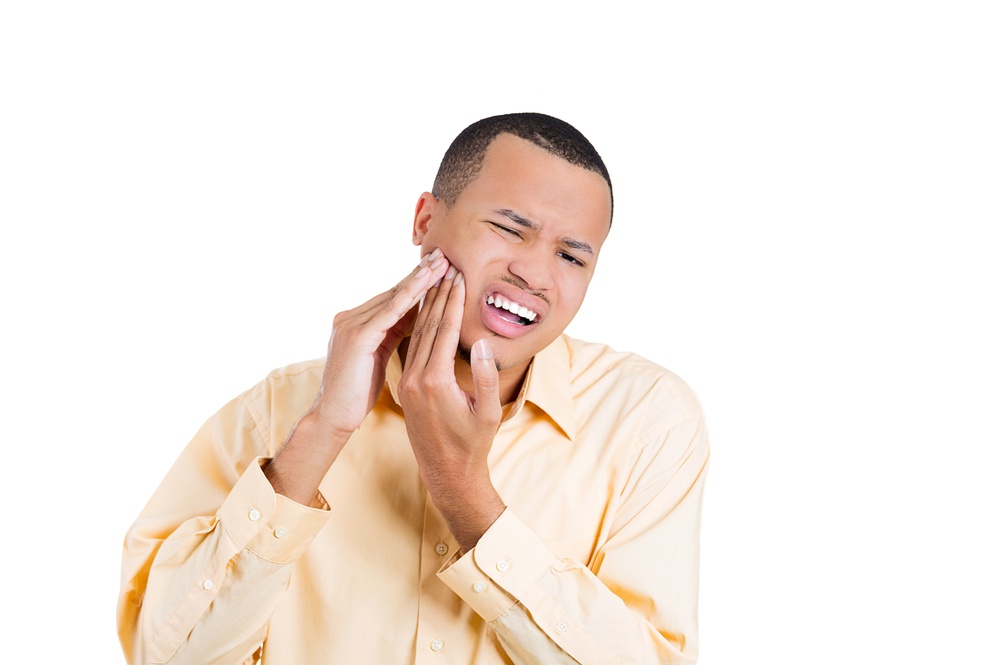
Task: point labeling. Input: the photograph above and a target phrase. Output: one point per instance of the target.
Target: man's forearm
(299, 467)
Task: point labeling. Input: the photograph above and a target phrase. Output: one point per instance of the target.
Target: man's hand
(361, 343)
(451, 431)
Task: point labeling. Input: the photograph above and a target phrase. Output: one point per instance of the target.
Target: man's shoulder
(300, 371)
(624, 376)
(291, 387)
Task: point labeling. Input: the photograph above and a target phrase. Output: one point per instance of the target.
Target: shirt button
(436, 645)
(254, 514)
(441, 549)
(280, 532)
(208, 585)
(561, 627)
(503, 565)
(479, 587)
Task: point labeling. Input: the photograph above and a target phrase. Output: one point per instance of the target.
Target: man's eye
(569, 258)
(505, 229)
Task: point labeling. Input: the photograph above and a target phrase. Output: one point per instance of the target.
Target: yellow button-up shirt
(601, 462)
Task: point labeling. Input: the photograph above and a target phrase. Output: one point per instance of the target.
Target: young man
(457, 481)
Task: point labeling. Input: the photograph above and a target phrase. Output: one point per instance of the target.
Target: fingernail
(424, 260)
(451, 272)
(482, 350)
(459, 278)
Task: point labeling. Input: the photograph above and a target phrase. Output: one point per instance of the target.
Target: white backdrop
(807, 198)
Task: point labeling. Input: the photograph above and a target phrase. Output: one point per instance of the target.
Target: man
(458, 481)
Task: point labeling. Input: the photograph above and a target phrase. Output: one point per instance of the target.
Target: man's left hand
(451, 431)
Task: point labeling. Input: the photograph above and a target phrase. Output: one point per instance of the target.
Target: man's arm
(636, 601)
(361, 343)
(639, 602)
(205, 564)
(202, 570)
(452, 432)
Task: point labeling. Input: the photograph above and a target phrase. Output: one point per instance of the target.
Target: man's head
(524, 219)
(464, 158)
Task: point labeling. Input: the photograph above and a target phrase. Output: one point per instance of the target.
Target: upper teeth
(498, 300)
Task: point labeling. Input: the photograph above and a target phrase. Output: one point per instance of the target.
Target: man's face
(526, 233)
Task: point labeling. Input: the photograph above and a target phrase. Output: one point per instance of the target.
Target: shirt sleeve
(637, 600)
(207, 561)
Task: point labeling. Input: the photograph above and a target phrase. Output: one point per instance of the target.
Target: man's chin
(465, 355)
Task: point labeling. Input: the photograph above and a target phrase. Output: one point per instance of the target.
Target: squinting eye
(569, 258)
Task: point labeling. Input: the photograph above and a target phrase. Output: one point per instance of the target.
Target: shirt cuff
(270, 525)
(502, 569)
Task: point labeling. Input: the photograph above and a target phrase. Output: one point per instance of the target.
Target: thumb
(486, 380)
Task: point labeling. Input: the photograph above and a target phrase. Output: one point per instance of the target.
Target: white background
(807, 197)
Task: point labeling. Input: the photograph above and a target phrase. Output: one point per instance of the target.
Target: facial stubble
(465, 355)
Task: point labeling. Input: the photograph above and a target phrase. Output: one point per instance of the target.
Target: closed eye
(504, 229)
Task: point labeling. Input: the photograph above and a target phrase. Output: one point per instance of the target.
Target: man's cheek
(449, 254)
(469, 318)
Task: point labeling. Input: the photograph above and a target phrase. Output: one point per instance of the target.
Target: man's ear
(427, 207)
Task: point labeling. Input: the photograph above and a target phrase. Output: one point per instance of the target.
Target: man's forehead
(512, 161)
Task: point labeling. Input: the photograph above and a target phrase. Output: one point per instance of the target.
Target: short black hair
(464, 157)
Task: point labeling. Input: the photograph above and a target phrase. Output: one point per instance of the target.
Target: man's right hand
(361, 343)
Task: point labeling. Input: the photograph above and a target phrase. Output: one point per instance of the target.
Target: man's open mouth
(511, 311)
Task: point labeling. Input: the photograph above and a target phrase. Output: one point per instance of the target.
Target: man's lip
(514, 294)
(498, 325)
(492, 319)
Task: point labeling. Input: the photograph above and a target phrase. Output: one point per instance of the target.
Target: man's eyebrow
(577, 244)
(524, 221)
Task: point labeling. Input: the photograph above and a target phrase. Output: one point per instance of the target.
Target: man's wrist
(469, 510)
(300, 465)
(314, 430)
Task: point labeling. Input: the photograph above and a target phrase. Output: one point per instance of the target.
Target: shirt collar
(547, 385)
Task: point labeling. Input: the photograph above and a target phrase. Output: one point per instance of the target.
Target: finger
(486, 382)
(428, 262)
(450, 328)
(425, 327)
(386, 313)
(395, 334)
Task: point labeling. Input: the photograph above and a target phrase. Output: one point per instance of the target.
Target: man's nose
(532, 265)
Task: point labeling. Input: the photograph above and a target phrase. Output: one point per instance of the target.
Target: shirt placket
(442, 635)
